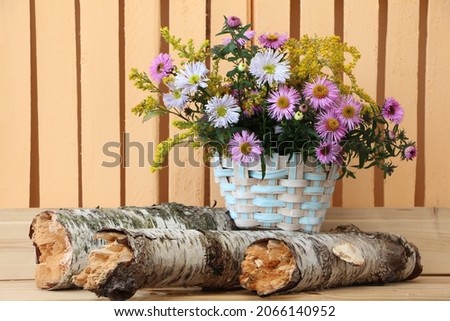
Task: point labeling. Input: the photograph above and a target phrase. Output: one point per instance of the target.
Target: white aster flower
(175, 99)
(192, 77)
(223, 111)
(269, 67)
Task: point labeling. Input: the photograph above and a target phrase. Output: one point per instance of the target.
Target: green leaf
(263, 167)
(154, 113)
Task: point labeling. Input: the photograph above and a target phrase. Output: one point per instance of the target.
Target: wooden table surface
(424, 288)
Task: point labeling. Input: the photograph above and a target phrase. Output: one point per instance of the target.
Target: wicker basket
(292, 196)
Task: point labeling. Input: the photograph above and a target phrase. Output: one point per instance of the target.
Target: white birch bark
(156, 258)
(63, 238)
(324, 260)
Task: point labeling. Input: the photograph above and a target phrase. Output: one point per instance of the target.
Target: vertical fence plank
(100, 103)
(361, 30)
(437, 166)
(14, 103)
(142, 23)
(57, 102)
(219, 9)
(401, 83)
(317, 17)
(271, 17)
(186, 170)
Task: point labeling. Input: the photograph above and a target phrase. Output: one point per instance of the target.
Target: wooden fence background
(65, 97)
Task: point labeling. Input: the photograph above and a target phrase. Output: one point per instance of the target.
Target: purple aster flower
(410, 152)
(329, 127)
(273, 40)
(282, 102)
(328, 152)
(161, 67)
(233, 22)
(245, 147)
(348, 112)
(392, 110)
(322, 93)
(303, 108)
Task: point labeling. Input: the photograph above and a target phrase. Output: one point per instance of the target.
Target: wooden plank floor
(424, 288)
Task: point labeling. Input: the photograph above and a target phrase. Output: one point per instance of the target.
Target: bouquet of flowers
(281, 95)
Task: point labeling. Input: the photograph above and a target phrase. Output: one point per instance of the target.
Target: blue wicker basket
(291, 196)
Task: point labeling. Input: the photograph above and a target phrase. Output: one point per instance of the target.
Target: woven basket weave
(292, 195)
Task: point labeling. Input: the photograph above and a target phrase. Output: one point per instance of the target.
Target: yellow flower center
(176, 94)
(221, 111)
(245, 148)
(272, 37)
(348, 111)
(283, 102)
(194, 79)
(269, 69)
(332, 124)
(320, 91)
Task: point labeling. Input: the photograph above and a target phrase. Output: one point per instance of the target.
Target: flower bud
(242, 66)
(303, 108)
(233, 22)
(298, 115)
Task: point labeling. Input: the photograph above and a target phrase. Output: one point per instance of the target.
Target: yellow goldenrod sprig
(163, 148)
(141, 81)
(186, 51)
(148, 106)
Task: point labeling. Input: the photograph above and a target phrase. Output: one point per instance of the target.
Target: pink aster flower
(392, 110)
(410, 152)
(245, 147)
(273, 40)
(329, 127)
(160, 67)
(282, 102)
(328, 152)
(233, 22)
(348, 112)
(321, 93)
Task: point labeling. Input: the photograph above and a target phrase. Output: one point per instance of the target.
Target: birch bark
(264, 261)
(158, 258)
(324, 260)
(63, 238)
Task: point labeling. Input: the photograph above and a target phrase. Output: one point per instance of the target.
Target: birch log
(155, 258)
(313, 262)
(63, 238)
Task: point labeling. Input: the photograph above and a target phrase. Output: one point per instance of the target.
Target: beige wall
(65, 93)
